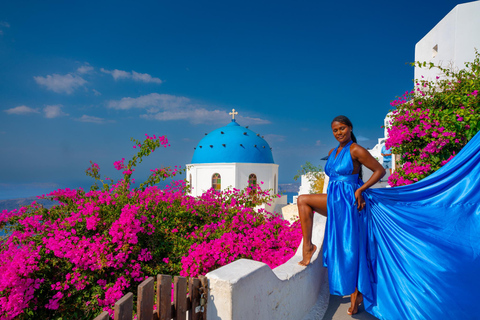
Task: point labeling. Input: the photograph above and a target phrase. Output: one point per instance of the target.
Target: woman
(343, 202)
(412, 251)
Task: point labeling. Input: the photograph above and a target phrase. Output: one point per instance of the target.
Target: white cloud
(193, 115)
(145, 77)
(318, 143)
(250, 120)
(54, 111)
(61, 83)
(136, 76)
(166, 107)
(86, 68)
(3, 24)
(21, 110)
(96, 92)
(362, 138)
(274, 138)
(117, 74)
(91, 119)
(153, 101)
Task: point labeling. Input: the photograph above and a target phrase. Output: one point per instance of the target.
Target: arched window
(216, 182)
(252, 180)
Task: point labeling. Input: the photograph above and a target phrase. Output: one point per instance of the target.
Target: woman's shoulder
(356, 149)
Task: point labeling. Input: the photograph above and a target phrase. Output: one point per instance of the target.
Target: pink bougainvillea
(433, 122)
(82, 255)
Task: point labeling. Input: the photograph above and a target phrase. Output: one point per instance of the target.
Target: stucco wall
(455, 36)
(233, 175)
(265, 173)
(202, 176)
(247, 289)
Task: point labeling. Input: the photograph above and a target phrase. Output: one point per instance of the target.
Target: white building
(233, 157)
(376, 151)
(451, 42)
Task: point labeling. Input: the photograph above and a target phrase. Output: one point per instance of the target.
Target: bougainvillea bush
(79, 257)
(434, 121)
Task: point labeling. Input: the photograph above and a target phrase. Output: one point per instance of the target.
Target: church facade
(230, 157)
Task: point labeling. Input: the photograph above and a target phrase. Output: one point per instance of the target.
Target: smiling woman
(343, 202)
(373, 240)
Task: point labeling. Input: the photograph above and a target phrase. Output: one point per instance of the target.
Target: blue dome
(232, 143)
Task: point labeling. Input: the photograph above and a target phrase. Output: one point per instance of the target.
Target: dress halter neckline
(347, 145)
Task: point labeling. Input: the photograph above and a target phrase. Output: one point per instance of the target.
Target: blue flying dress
(418, 245)
(342, 232)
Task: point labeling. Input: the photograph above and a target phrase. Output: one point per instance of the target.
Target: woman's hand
(359, 200)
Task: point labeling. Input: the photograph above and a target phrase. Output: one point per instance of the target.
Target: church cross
(233, 113)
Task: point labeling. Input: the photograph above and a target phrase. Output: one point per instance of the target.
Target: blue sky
(79, 79)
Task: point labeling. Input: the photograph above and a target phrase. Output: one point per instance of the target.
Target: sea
(290, 196)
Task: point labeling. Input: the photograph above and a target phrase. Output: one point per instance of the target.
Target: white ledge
(247, 289)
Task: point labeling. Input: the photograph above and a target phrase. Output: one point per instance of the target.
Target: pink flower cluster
(272, 242)
(434, 121)
(17, 264)
(416, 168)
(119, 165)
(434, 146)
(474, 93)
(403, 99)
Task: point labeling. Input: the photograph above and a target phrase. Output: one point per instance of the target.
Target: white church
(234, 157)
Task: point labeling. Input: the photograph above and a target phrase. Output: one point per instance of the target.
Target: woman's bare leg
(355, 299)
(307, 204)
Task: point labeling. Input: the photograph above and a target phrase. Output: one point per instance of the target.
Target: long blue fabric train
(420, 244)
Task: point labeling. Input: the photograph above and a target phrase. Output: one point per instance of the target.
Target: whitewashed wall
(233, 175)
(247, 289)
(201, 176)
(265, 172)
(455, 37)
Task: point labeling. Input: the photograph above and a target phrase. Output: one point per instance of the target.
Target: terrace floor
(337, 310)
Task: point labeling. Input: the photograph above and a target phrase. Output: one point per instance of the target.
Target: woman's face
(341, 132)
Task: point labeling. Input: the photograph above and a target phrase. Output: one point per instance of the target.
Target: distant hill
(289, 187)
(11, 204)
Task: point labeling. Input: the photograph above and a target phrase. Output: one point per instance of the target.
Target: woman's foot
(354, 306)
(307, 254)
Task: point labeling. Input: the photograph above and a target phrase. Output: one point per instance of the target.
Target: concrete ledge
(247, 289)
